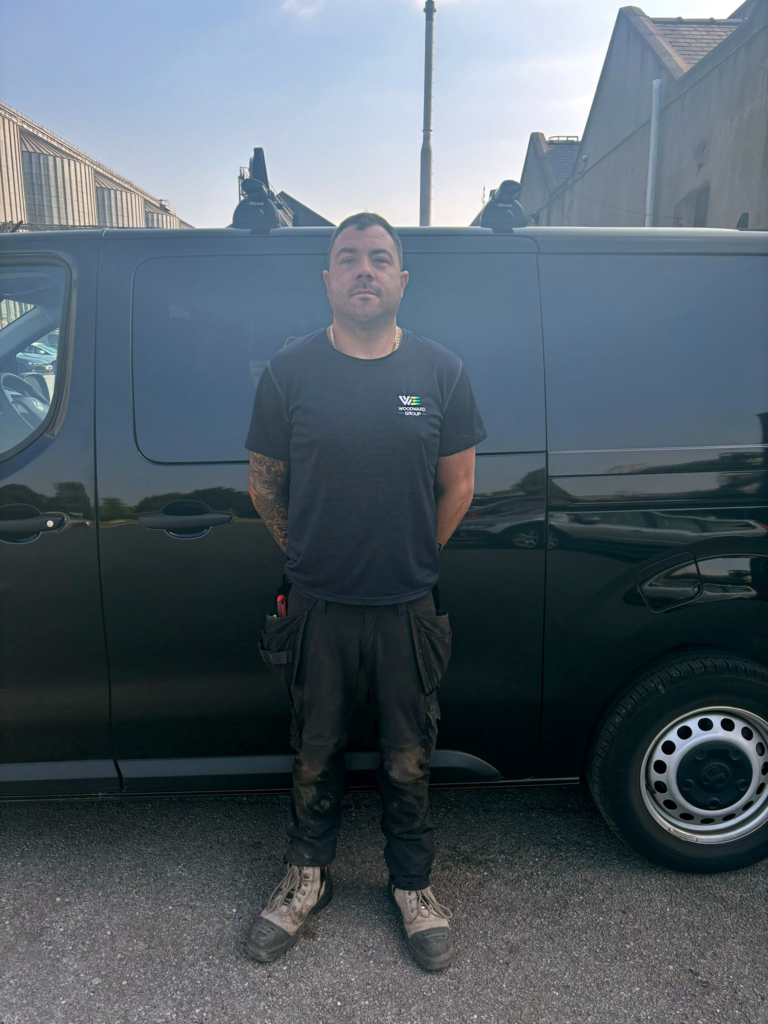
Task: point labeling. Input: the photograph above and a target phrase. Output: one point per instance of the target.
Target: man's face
(364, 282)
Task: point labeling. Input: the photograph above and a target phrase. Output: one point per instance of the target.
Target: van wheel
(679, 765)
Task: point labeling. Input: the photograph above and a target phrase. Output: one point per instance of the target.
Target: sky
(175, 94)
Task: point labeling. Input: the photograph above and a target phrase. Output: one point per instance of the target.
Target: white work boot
(301, 892)
(426, 926)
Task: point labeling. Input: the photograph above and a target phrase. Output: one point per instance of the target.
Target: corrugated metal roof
(102, 181)
(34, 144)
(692, 39)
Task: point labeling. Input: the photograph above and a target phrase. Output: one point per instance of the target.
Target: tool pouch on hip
(280, 645)
(432, 638)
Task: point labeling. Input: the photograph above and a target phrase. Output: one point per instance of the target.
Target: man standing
(377, 428)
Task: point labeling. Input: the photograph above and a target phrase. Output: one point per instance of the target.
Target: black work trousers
(317, 650)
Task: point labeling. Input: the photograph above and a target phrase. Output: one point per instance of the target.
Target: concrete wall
(535, 190)
(611, 193)
(622, 101)
(713, 133)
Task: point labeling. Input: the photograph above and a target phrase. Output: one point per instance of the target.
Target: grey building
(47, 183)
(713, 133)
(548, 163)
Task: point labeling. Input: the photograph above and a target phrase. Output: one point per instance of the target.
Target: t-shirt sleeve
(270, 431)
(462, 425)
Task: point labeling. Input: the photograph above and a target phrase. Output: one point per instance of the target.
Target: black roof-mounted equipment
(503, 212)
(260, 209)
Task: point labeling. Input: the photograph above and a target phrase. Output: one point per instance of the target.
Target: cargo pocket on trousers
(280, 646)
(432, 638)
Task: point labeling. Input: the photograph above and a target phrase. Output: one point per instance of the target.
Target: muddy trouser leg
(406, 649)
(323, 698)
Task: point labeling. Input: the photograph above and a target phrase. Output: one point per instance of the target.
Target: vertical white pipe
(425, 200)
(653, 153)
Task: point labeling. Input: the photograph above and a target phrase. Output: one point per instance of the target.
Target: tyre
(679, 765)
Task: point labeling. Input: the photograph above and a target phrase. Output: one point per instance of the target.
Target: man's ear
(325, 277)
(404, 276)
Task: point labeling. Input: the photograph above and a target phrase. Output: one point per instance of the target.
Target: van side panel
(186, 327)
(657, 400)
(54, 687)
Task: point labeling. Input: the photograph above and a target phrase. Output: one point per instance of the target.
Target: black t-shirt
(362, 437)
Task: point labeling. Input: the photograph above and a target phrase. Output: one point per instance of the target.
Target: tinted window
(655, 351)
(205, 327)
(486, 309)
(31, 303)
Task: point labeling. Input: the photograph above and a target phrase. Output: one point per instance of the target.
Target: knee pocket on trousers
(314, 759)
(404, 766)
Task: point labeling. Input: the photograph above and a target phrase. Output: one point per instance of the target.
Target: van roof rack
(260, 208)
(503, 211)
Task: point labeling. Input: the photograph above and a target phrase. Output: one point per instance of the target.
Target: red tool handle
(281, 606)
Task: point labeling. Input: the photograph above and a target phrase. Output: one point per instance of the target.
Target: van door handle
(34, 524)
(203, 521)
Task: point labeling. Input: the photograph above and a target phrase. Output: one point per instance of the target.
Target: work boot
(426, 926)
(301, 892)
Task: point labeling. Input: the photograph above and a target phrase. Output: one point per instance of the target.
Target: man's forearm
(268, 487)
(451, 507)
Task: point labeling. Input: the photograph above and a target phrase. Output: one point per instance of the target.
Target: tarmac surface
(137, 911)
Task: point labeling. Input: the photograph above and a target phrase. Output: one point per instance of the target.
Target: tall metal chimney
(425, 204)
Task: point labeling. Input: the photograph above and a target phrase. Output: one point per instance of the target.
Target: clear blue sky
(175, 94)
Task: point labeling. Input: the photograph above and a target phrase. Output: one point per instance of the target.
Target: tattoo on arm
(268, 486)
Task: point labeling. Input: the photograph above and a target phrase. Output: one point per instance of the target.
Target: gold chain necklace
(398, 337)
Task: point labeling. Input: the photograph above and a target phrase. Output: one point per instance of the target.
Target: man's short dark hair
(361, 221)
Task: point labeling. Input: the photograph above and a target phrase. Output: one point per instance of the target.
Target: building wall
(59, 191)
(622, 101)
(534, 191)
(45, 183)
(11, 176)
(609, 193)
(715, 134)
(713, 138)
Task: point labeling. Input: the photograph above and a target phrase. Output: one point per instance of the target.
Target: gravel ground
(137, 911)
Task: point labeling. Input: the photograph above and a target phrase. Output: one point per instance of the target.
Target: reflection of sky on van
(175, 95)
(688, 366)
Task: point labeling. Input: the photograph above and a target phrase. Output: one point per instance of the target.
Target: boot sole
(428, 965)
(267, 956)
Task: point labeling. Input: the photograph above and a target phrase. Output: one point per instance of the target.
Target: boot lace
(291, 890)
(424, 902)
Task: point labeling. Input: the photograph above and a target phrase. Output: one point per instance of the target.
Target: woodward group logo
(410, 405)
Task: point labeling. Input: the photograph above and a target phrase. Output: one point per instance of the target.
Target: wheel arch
(656, 663)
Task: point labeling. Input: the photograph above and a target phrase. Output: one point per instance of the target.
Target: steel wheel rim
(695, 766)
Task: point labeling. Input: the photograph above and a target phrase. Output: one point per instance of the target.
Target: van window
(485, 308)
(204, 328)
(655, 351)
(31, 304)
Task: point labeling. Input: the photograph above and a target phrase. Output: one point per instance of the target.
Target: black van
(608, 587)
